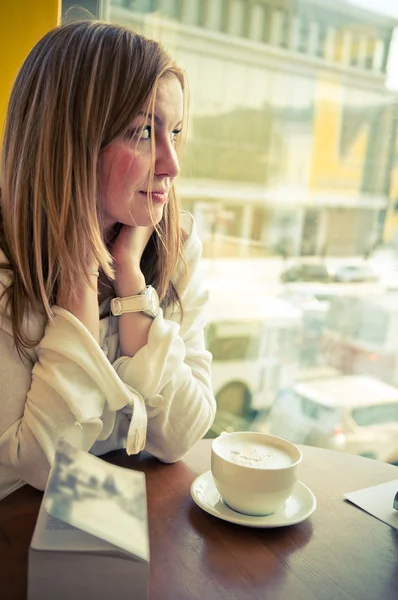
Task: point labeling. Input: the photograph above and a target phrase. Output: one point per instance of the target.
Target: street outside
(262, 353)
(263, 274)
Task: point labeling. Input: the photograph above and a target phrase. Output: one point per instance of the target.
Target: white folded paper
(378, 501)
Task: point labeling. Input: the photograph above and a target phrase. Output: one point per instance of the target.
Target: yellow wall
(391, 223)
(328, 168)
(22, 24)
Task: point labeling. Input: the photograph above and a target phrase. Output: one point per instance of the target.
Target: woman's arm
(172, 371)
(84, 305)
(71, 391)
(127, 252)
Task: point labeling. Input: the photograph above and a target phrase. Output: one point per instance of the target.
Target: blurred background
(291, 171)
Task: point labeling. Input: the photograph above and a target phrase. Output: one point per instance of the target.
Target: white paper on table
(378, 501)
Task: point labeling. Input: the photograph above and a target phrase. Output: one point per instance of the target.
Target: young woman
(101, 310)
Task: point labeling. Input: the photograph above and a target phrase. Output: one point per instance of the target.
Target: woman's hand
(130, 244)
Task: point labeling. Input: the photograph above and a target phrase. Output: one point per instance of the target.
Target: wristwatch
(146, 301)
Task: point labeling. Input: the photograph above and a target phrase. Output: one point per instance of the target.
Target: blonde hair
(78, 90)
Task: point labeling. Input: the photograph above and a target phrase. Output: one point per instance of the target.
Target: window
(313, 410)
(303, 33)
(374, 326)
(370, 416)
(291, 172)
(92, 6)
(321, 47)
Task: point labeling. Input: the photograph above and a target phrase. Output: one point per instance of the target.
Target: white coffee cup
(254, 472)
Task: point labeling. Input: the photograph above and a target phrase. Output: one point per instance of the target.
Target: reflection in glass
(291, 172)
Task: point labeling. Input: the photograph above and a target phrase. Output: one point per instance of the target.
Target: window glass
(383, 414)
(75, 9)
(291, 172)
(313, 410)
(227, 343)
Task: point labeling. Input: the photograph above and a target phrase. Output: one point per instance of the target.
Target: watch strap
(136, 303)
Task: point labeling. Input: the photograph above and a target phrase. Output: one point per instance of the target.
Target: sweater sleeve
(72, 391)
(172, 371)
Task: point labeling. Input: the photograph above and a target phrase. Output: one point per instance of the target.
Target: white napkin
(378, 501)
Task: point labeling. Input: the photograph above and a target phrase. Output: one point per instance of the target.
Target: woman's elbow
(176, 445)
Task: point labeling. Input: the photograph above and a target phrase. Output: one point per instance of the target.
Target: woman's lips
(157, 197)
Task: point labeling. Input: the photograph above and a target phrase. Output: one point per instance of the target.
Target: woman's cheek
(132, 171)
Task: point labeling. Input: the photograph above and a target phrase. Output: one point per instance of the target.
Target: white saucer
(298, 507)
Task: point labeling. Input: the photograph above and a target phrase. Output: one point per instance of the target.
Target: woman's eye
(139, 134)
(146, 133)
(175, 133)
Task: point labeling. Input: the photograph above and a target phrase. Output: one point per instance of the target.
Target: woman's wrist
(129, 280)
(133, 327)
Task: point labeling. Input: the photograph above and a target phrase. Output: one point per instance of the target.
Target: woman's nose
(167, 163)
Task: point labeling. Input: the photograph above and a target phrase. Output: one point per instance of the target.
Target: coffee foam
(255, 455)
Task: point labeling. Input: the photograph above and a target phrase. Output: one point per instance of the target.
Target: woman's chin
(147, 220)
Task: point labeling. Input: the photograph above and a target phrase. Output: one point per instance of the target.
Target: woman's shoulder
(192, 246)
(191, 250)
(187, 221)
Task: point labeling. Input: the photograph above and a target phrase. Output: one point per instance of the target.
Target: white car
(355, 273)
(355, 414)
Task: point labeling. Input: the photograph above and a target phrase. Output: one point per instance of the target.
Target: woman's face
(124, 167)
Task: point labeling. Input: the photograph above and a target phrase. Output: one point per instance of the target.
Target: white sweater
(90, 395)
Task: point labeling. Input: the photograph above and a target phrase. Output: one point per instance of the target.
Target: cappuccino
(256, 455)
(254, 473)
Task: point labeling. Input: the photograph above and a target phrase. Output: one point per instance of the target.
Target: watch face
(153, 301)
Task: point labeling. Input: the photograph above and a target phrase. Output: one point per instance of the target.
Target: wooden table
(340, 552)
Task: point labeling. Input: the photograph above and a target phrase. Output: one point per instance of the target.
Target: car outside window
(313, 410)
(233, 348)
(380, 414)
